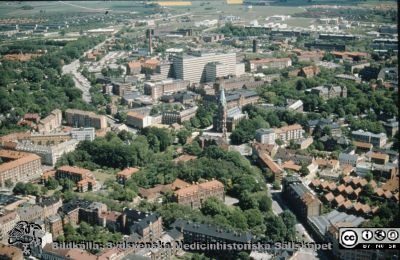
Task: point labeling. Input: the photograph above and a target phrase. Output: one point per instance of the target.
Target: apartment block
(80, 118)
(51, 122)
(8, 220)
(19, 167)
(48, 154)
(147, 225)
(290, 132)
(83, 178)
(193, 67)
(302, 201)
(195, 194)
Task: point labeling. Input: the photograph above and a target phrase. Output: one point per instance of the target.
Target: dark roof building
(303, 202)
(196, 232)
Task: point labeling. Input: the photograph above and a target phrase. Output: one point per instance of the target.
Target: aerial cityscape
(196, 130)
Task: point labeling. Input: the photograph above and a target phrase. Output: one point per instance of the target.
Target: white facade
(82, 134)
(48, 154)
(193, 68)
(265, 136)
(240, 69)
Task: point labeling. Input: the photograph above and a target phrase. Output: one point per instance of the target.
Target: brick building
(270, 63)
(8, 220)
(83, 178)
(50, 205)
(147, 225)
(126, 174)
(303, 202)
(168, 86)
(19, 167)
(51, 122)
(171, 117)
(195, 194)
(80, 118)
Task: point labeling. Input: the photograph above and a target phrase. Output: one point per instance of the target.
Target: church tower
(220, 118)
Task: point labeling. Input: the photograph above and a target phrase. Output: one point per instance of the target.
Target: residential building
(50, 205)
(19, 167)
(55, 225)
(192, 67)
(265, 160)
(51, 122)
(30, 213)
(48, 154)
(290, 132)
(147, 225)
(377, 140)
(195, 194)
(126, 174)
(265, 135)
(270, 63)
(8, 220)
(80, 118)
(202, 233)
(83, 178)
(303, 202)
(168, 86)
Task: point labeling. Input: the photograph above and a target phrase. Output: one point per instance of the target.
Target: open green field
(15, 9)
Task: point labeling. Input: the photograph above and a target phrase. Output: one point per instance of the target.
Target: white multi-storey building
(193, 67)
(265, 136)
(83, 133)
